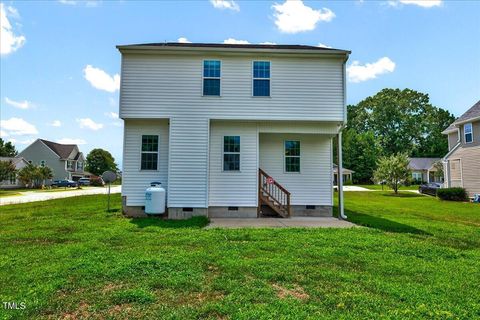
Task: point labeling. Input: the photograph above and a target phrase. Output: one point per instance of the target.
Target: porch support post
(341, 214)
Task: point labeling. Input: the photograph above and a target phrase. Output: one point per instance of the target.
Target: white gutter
(341, 211)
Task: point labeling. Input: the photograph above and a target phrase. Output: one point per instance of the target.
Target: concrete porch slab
(294, 222)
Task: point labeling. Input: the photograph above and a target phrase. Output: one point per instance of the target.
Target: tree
(28, 175)
(7, 149)
(393, 171)
(360, 154)
(402, 121)
(7, 170)
(99, 161)
(44, 173)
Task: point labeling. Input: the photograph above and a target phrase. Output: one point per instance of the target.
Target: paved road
(31, 196)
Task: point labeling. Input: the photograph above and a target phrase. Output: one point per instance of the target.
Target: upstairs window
(79, 165)
(211, 77)
(149, 159)
(468, 129)
(292, 156)
(42, 163)
(231, 153)
(261, 78)
(70, 164)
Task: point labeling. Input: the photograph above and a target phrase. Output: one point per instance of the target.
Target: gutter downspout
(341, 211)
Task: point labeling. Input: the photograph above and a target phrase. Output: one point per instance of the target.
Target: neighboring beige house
(66, 160)
(462, 162)
(423, 170)
(13, 182)
(347, 174)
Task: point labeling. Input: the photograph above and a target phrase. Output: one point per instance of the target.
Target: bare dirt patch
(296, 292)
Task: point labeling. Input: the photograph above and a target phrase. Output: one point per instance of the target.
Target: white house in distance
(231, 130)
(12, 181)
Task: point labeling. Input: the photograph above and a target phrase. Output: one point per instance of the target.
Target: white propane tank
(155, 199)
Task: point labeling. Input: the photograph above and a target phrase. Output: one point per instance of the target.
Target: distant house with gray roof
(423, 170)
(66, 160)
(462, 162)
(12, 181)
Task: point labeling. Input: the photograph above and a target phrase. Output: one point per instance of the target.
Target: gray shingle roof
(62, 150)
(235, 46)
(472, 113)
(15, 160)
(422, 163)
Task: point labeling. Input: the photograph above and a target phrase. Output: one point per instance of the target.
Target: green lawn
(386, 188)
(18, 192)
(68, 258)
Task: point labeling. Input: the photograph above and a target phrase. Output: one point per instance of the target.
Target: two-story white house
(231, 130)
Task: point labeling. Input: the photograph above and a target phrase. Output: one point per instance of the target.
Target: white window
(211, 77)
(417, 176)
(292, 156)
(468, 130)
(42, 163)
(70, 164)
(149, 158)
(79, 165)
(231, 153)
(261, 78)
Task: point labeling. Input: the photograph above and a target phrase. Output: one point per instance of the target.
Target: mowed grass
(69, 259)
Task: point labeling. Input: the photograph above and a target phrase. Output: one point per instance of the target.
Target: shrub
(452, 194)
(96, 182)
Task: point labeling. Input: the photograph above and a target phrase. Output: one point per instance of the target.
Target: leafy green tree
(393, 171)
(7, 169)
(99, 161)
(438, 166)
(28, 175)
(44, 173)
(361, 152)
(7, 149)
(402, 121)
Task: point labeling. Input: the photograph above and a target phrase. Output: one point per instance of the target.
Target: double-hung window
(149, 159)
(468, 130)
(42, 163)
(292, 156)
(211, 77)
(231, 153)
(70, 165)
(80, 166)
(261, 78)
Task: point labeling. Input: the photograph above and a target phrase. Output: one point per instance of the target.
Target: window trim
(465, 132)
(73, 165)
(269, 79)
(239, 154)
(76, 165)
(203, 78)
(416, 173)
(43, 163)
(285, 157)
(158, 153)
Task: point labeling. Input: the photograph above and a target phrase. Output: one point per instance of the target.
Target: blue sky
(59, 62)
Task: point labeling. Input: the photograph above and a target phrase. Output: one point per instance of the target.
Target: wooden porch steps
(272, 194)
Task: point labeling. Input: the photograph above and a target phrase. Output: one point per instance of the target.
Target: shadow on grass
(194, 222)
(381, 223)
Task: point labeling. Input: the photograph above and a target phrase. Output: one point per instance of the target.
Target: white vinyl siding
(134, 180)
(233, 188)
(188, 162)
(313, 186)
(301, 89)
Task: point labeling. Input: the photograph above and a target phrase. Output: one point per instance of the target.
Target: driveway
(294, 222)
(32, 196)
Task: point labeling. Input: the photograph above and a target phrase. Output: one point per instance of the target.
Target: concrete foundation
(186, 213)
(318, 211)
(224, 212)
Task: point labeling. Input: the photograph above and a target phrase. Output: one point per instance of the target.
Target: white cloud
(19, 104)
(26, 141)
(293, 16)
(225, 4)
(267, 42)
(321, 45)
(235, 41)
(101, 80)
(87, 3)
(112, 115)
(359, 73)
(183, 40)
(10, 42)
(89, 124)
(3, 134)
(56, 123)
(112, 101)
(420, 3)
(17, 127)
(70, 2)
(71, 141)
